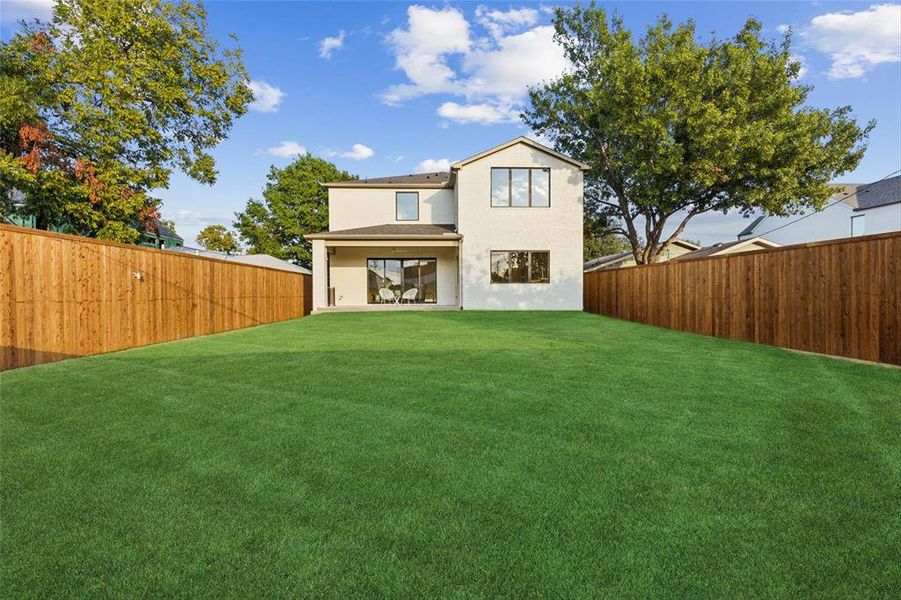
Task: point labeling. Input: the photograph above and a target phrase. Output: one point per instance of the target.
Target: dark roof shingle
(880, 193)
(438, 177)
(391, 230)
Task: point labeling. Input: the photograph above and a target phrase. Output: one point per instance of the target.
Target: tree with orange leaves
(99, 105)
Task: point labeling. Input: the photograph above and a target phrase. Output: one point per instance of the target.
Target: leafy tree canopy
(294, 203)
(217, 238)
(674, 128)
(100, 104)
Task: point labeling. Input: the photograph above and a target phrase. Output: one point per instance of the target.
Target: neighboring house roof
(267, 260)
(604, 262)
(729, 248)
(865, 196)
(615, 260)
(166, 232)
(520, 140)
(163, 231)
(258, 260)
(750, 228)
(391, 231)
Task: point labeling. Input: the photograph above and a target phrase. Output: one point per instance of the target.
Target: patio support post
(320, 275)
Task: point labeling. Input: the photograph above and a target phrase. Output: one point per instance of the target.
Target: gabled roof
(520, 140)
(611, 260)
(440, 179)
(416, 231)
(727, 248)
(162, 231)
(750, 228)
(605, 261)
(865, 196)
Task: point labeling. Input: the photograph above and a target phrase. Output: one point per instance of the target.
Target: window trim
(396, 212)
(510, 204)
(491, 272)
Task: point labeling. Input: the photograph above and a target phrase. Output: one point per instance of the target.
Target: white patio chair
(410, 295)
(387, 295)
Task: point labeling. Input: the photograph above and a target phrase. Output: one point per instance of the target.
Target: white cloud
(857, 41)
(287, 148)
(433, 165)
(421, 48)
(359, 152)
(266, 98)
(439, 55)
(14, 10)
(486, 114)
(330, 44)
(499, 22)
(514, 63)
(193, 218)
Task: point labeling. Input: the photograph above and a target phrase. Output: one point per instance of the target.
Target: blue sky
(386, 88)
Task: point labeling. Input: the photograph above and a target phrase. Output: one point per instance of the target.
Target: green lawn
(453, 454)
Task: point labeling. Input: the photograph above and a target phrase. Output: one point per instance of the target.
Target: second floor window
(520, 187)
(407, 206)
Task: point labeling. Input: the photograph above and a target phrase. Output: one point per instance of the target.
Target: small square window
(407, 206)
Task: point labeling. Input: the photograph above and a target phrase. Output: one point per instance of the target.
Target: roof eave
(519, 140)
(381, 237)
(858, 209)
(406, 186)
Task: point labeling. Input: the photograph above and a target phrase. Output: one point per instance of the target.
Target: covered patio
(387, 267)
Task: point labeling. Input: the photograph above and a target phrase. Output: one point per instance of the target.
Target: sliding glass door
(398, 277)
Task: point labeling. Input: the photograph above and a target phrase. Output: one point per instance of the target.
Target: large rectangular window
(520, 266)
(407, 206)
(520, 187)
(403, 280)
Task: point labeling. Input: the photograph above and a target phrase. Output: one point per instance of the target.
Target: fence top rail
(86, 240)
(686, 260)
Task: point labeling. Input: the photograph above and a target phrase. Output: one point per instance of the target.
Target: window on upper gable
(520, 187)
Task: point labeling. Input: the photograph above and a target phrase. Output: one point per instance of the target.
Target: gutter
(400, 237)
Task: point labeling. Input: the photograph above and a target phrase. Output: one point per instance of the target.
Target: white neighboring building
(501, 230)
(856, 209)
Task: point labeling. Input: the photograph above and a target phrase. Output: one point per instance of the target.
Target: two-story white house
(501, 230)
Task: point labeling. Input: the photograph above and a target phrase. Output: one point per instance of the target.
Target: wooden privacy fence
(840, 297)
(63, 296)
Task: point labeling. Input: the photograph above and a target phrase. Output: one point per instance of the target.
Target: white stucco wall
(359, 207)
(557, 229)
(831, 223)
(882, 219)
(348, 273)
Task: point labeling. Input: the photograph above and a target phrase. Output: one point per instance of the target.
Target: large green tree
(101, 103)
(294, 203)
(673, 127)
(217, 238)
